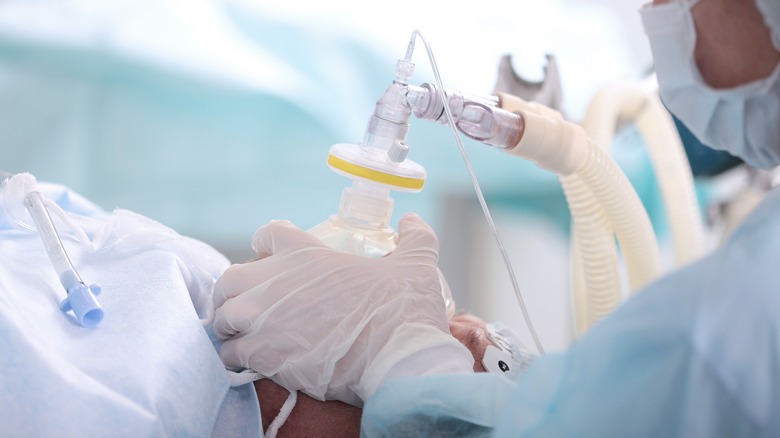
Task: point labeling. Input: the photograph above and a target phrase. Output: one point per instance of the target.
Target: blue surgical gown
(695, 354)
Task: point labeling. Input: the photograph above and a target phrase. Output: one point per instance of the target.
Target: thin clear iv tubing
(475, 183)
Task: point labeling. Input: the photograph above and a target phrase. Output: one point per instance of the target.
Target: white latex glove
(336, 325)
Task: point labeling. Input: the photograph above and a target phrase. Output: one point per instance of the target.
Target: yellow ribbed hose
(633, 103)
(600, 198)
(675, 179)
(595, 298)
(602, 203)
(596, 283)
(625, 212)
(594, 259)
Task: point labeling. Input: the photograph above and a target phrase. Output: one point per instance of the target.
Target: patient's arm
(310, 417)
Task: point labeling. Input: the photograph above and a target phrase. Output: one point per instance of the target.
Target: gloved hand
(336, 325)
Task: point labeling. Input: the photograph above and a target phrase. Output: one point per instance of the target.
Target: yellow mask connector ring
(378, 176)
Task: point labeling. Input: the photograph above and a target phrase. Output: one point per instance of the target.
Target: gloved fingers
(250, 352)
(243, 309)
(239, 278)
(277, 236)
(416, 241)
(235, 316)
(223, 288)
(273, 349)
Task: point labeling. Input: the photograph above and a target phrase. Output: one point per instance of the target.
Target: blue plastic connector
(81, 300)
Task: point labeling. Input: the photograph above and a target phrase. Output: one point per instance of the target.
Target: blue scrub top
(697, 353)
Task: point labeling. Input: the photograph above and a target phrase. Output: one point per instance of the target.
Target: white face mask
(744, 120)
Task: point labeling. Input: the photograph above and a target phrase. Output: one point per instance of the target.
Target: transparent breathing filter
(377, 166)
(362, 224)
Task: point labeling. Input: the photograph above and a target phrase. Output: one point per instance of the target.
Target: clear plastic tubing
(51, 241)
(81, 298)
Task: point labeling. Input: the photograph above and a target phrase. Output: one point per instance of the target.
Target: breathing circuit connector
(380, 159)
(377, 166)
(506, 122)
(404, 69)
(389, 123)
(547, 139)
(479, 117)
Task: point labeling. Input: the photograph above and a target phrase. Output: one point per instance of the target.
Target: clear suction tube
(81, 298)
(33, 201)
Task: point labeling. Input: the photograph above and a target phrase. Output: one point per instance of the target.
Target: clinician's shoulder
(724, 311)
(694, 353)
(736, 280)
(761, 228)
(744, 265)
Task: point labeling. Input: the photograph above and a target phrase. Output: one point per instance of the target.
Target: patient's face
(471, 332)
